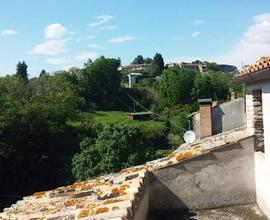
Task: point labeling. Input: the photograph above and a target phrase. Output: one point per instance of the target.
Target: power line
(161, 116)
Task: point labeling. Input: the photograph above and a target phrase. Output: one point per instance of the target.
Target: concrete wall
(223, 177)
(143, 207)
(225, 117)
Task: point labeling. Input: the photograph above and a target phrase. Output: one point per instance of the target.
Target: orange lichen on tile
(132, 169)
(39, 195)
(120, 190)
(169, 163)
(171, 155)
(115, 208)
(183, 156)
(101, 210)
(150, 167)
(85, 213)
(71, 202)
(109, 201)
(197, 150)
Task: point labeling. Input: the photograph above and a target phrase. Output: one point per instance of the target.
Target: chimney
(205, 117)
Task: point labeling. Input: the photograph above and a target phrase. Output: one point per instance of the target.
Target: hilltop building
(191, 66)
(133, 67)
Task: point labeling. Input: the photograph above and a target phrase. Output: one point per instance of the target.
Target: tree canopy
(138, 60)
(117, 146)
(176, 85)
(21, 70)
(157, 65)
(100, 81)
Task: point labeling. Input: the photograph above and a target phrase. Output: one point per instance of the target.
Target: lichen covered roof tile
(114, 196)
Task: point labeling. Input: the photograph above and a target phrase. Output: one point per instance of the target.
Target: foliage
(117, 146)
(176, 85)
(215, 85)
(211, 66)
(148, 60)
(36, 143)
(21, 70)
(157, 65)
(138, 60)
(100, 81)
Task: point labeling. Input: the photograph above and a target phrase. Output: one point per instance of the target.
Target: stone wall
(258, 119)
(223, 177)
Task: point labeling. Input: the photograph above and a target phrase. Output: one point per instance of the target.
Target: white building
(257, 80)
(133, 79)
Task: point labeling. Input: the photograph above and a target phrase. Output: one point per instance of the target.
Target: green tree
(43, 73)
(157, 65)
(202, 87)
(211, 66)
(138, 60)
(86, 163)
(148, 60)
(197, 62)
(21, 70)
(36, 142)
(176, 85)
(215, 85)
(117, 146)
(100, 82)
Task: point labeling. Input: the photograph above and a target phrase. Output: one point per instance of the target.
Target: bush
(116, 147)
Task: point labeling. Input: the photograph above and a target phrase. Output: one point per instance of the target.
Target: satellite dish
(189, 137)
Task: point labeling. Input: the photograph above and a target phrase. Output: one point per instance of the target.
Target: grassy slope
(150, 127)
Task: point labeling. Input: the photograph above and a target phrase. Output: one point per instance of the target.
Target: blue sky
(57, 34)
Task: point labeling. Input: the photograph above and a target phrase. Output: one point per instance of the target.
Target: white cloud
(84, 56)
(8, 33)
(54, 43)
(101, 20)
(123, 39)
(196, 34)
(199, 22)
(96, 46)
(57, 61)
(255, 42)
(51, 47)
(108, 28)
(55, 31)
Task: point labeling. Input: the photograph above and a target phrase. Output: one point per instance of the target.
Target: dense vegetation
(68, 126)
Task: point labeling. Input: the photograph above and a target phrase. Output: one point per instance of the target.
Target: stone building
(133, 67)
(190, 66)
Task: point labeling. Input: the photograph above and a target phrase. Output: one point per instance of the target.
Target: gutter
(253, 76)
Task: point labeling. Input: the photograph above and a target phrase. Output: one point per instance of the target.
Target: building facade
(257, 80)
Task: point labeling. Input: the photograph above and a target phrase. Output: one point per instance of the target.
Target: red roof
(262, 63)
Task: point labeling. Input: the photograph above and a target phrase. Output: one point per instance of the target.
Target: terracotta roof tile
(262, 63)
(115, 196)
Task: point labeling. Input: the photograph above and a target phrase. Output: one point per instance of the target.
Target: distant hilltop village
(201, 67)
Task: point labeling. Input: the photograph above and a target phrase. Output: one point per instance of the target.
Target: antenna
(243, 63)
